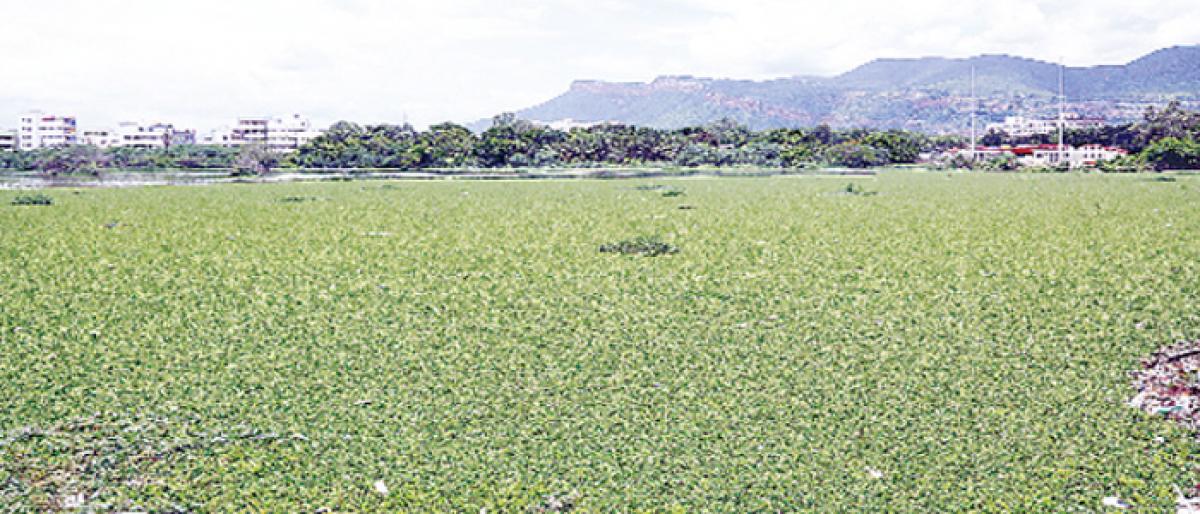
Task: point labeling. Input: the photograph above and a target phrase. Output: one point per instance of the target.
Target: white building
(36, 129)
(277, 134)
(289, 134)
(1047, 155)
(1074, 157)
(131, 134)
(1020, 126)
(8, 141)
(222, 136)
(135, 135)
(567, 124)
(102, 138)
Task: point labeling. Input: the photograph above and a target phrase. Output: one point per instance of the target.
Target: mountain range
(931, 94)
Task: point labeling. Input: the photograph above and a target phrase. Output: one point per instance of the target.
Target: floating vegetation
(36, 199)
(856, 190)
(673, 193)
(299, 199)
(946, 346)
(644, 245)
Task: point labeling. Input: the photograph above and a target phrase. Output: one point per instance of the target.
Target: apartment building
(289, 134)
(149, 136)
(277, 134)
(102, 138)
(36, 129)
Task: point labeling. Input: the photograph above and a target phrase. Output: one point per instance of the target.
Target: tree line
(1165, 139)
(515, 143)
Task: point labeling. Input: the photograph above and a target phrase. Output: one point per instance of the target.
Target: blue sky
(201, 64)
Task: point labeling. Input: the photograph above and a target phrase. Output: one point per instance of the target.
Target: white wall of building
(37, 129)
(282, 135)
(135, 135)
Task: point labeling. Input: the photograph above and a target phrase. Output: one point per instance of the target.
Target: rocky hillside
(930, 94)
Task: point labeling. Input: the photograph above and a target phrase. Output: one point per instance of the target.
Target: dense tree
(71, 159)
(1173, 153)
(254, 160)
(856, 155)
(1170, 122)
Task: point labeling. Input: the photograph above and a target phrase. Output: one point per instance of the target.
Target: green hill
(930, 94)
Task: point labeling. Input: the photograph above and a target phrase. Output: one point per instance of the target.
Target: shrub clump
(672, 193)
(647, 246)
(38, 199)
(856, 190)
(299, 199)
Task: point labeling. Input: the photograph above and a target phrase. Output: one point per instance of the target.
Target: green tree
(83, 159)
(1172, 153)
(254, 160)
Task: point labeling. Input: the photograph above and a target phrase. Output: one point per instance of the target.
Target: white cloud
(204, 63)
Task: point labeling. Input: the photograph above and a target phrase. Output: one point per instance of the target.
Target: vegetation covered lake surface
(944, 343)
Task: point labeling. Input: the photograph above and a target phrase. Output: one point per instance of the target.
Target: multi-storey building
(277, 134)
(39, 130)
(102, 138)
(136, 135)
(289, 134)
(251, 130)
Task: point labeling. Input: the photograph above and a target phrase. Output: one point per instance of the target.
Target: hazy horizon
(202, 65)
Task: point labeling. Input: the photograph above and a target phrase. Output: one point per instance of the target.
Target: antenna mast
(1062, 110)
(974, 112)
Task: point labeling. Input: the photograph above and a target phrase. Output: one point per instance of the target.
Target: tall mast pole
(1062, 110)
(974, 112)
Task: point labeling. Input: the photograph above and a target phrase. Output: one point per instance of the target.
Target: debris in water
(1168, 384)
(1116, 503)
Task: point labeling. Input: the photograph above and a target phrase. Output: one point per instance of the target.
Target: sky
(201, 64)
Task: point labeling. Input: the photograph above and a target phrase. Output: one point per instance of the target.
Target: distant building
(277, 134)
(222, 136)
(102, 138)
(36, 129)
(1020, 126)
(1049, 155)
(8, 141)
(182, 137)
(1075, 157)
(152, 136)
(289, 134)
(567, 124)
(131, 134)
